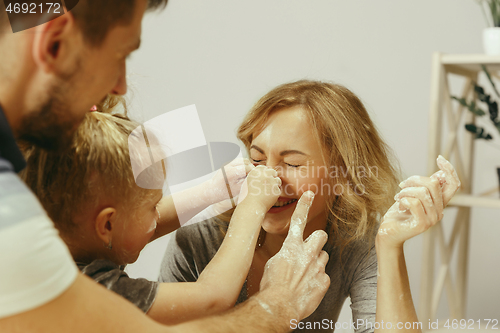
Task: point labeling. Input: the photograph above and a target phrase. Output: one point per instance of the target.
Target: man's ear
(56, 45)
(105, 224)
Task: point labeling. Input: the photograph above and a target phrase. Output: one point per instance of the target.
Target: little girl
(106, 219)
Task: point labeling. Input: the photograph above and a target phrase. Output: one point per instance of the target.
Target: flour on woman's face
(288, 144)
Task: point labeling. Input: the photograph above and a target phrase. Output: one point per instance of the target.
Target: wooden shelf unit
(467, 200)
(467, 66)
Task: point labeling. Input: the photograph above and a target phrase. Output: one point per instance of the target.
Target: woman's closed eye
(288, 164)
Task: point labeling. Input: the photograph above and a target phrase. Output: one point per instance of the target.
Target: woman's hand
(262, 187)
(419, 205)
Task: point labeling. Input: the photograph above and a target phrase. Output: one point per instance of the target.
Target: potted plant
(491, 104)
(491, 35)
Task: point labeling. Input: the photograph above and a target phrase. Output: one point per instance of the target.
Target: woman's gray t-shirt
(192, 247)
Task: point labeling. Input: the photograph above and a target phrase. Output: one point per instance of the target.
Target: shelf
(466, 200)
(444, 140)
(471, 62)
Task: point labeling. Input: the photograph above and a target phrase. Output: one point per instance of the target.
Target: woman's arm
(180, 207)
(363, 286)
(418, 207)
(219, 284)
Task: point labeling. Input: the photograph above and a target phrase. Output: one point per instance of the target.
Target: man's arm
(263, 312)
(84, 307)
(292, 287)
(88, 307)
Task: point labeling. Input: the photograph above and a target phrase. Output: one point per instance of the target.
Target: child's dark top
(140, 292)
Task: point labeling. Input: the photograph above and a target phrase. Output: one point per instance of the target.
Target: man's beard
(52, 126)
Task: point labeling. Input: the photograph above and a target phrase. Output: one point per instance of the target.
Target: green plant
(492, 105)
(494, 8)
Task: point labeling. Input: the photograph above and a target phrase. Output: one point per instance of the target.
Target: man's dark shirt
(11, 158)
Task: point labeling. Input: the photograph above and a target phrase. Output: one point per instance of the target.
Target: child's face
(137, 226)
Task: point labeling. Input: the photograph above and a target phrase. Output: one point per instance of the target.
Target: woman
(319, 137)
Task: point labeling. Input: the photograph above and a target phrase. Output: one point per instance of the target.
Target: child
(106, 219)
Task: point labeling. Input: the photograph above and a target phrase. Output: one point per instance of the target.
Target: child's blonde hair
(350, 142)
(96, 167)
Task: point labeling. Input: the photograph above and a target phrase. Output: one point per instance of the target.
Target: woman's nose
(278, 169)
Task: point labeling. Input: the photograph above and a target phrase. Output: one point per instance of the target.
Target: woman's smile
(283, 204)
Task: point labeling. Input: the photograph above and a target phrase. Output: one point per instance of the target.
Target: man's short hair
(95, 17)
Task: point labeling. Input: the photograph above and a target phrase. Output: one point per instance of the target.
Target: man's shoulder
(6, 166)
(17, 202)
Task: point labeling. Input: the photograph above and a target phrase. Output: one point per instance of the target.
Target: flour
(265, 307)
(295, 230)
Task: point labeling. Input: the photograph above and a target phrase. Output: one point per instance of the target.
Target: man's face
(97, 72)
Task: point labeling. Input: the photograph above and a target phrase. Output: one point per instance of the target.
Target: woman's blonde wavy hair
(95, 167)
(350, 142)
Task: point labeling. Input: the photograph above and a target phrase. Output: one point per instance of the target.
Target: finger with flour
(298, 269)
(429, 193)
(448, 177)
(299, 216)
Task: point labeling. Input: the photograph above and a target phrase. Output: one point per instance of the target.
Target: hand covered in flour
(227, 180)
(296, 274)
(262, 187)
(419, 205)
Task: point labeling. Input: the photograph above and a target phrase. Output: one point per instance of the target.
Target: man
(50, 76)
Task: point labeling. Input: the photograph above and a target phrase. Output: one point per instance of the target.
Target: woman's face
(288, 144)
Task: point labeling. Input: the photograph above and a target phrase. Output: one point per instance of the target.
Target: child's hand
(262, 186)
(419, 205)
(233, 176)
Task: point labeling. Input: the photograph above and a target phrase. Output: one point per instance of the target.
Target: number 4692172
(32, 8)
(470, 324)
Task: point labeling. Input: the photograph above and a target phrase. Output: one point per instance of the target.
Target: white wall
(223, 55)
